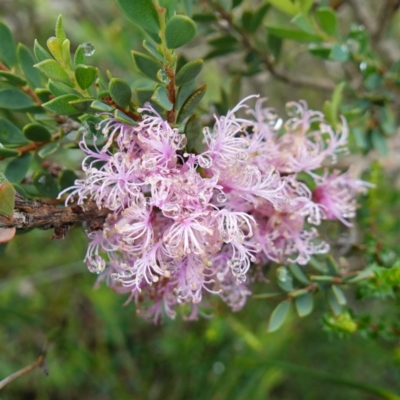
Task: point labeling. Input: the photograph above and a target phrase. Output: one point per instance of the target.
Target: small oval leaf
(13, 99)
(17, 169)
(40, 53)
(85, 76)
(147, 65)
(188, 72)
(7, 199)
(180, 30)
(142, 12)
(27, 61)
(191, 103)
(279, 316)
(53, 70)
(160, 97)
(36, 133)
(46, 184)
(60, 105)
(7, 46)
(54, 44)
(304, 304)
(10, 134)
(120, 92)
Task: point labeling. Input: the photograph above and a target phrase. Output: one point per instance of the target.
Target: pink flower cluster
(186, 225)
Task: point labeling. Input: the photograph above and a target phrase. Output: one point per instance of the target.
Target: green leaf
(143, 95)
(160, 97)
(147, 65)
(333, 303)
(142, 12)
(247, 16)
(5, 153)
(53, 70)
(302, 22)
(305, 5)
(183, 93)
(298, 273)
(48, 149)
(85, 76)
(322, 50)
(379, 142)
(26, 61)
(180, 30)
(304, 304)
(293, 34)
(12, 78)
(17, 169)
(36, 132)
(10, 134)
(7, 198)
(224, 41)
(60, 33)
(13, 99)
(83, 105)
(46, 184)
(60, 105)
(220, 51)
(7, 46)
(54, 44)
(66, 53)
(336, 101)
(194, 134)
(120, 92)
(339, 53)
(286, 6)
(188, 72)
(327, 20)
(274, 44)
(121, 117)
(56, 90)
(40, 53)
(333, 268)
(153, 51)
(279, 316)
(258, 17)
(67, 179)
(191, 103)
(79, 58)
(340, 297)
(100, 106)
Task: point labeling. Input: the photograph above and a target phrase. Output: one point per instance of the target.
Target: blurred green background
(99, 349)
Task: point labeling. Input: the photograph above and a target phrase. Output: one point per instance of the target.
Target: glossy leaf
(13, 99)
(7, 46)
(10, 134)
(188, 72)
(17, 169)
(26, 61)
(46, 184)
(304, 304)
(7, 198)
(190, 104)
(36, 132)
(327, 20)
(180, 30)
(147, 65)
(60, 105)
(279, 316)
(85, 76)
(53, 70)
(141, 12)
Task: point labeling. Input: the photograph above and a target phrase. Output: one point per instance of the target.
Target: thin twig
(38, 363)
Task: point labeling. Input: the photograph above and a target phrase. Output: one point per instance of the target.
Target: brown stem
(38, 363)
(171, 94)
(108, 100)
(29, 147)
(282, 75)
(30, 214)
